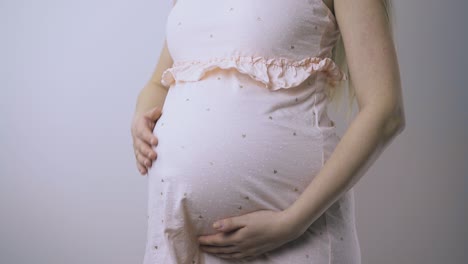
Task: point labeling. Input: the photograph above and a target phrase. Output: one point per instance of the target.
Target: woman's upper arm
(165, 61)
(370, 53)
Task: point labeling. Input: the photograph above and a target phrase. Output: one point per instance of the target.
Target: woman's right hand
(143, 138)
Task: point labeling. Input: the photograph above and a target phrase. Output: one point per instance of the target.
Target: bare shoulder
(370, 51)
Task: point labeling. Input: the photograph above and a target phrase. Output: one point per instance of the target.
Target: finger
(145, 149)
(141, 168)
(154, 113)
(237, 255)
(220, 250)
(144, 161)
(146, 135)
(219, 239)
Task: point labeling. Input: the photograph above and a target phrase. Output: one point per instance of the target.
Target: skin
(149, 104)
(373, 65)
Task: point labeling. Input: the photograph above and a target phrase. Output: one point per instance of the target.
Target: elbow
(389, 113)
(402, 124)
(399, 124)
(395, 123)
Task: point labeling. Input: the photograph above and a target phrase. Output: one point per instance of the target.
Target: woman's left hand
(248, 235)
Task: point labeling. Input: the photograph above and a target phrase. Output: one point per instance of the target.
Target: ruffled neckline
(274, 73)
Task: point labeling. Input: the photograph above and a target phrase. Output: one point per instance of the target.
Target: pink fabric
(245, 127)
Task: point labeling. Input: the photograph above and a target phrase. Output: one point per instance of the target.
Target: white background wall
(70, 72)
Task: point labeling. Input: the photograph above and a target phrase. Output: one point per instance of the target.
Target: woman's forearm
(367, 136)
(150, 96)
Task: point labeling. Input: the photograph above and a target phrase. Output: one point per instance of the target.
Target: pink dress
(245, 128)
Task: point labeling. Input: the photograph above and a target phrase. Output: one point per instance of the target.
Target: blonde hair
(335, 94)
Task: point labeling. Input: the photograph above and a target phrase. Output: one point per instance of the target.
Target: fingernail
(217, 225)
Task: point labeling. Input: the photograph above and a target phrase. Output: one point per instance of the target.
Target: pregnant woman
(233, 128)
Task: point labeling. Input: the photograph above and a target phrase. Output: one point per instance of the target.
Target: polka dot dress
(245, 128)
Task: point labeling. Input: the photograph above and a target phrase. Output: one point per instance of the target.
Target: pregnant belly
(221, 155)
